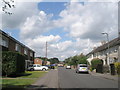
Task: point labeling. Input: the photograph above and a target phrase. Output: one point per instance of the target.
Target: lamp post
(108, 47)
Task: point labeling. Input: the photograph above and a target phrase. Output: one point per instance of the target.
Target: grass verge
(28, 78)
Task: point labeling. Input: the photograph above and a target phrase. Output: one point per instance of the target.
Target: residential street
(69, 79)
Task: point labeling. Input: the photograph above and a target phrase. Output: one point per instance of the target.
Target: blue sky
(77, 31)
(52, 8)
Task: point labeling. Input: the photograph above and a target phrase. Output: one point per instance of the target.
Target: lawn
(28, 78)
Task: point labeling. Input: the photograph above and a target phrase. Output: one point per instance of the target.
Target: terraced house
(8, 43)
(101, 52)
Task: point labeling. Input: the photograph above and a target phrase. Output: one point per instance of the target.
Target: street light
(108, 46)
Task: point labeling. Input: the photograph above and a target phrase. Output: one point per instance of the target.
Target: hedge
(95, 62)
(12, 63)
(117, 67)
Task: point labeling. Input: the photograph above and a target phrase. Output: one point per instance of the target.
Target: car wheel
(44, 69)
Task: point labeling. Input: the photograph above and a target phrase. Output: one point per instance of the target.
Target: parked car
(37, 67)
(82, 68)
(68, 67)
(30, 68)
(52, 66)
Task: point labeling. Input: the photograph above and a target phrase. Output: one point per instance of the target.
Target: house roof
(7, 35)
(112, 43)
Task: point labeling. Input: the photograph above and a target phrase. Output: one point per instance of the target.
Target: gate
(112, 69)
(99, 68)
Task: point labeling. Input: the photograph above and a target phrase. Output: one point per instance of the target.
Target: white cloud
(82, 20)
(21, 11)
(39, 41)
(36, 25)
(84, 24)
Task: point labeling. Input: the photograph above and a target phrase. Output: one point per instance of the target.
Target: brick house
(8, 43)
(38, 61)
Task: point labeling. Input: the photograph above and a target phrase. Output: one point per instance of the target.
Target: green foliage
(91, 69)
(117, 67)
(78, 59)
(82, 59)
(53, 60)
(12, 63)
(95, 62)
(43, 58)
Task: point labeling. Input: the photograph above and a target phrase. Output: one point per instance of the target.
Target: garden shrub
(106, 69)
(95, 62)
(117, 67)
(12, 63)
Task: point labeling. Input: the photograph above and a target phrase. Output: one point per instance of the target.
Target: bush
(91, 69)
(106, 69)
(95, 62)
(12, 63)
(117, 67)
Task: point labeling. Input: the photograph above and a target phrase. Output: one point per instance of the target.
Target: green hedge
(12, 63)
(95, 62)
(117, 67)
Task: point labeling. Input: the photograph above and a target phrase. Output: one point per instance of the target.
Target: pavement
(105, 75)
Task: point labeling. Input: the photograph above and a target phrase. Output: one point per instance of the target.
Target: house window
(31, 54)
(25, 51)
(18, 48)
(4, 42)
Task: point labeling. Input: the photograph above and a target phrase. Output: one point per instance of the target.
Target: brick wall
(38, 61)
(11, 45)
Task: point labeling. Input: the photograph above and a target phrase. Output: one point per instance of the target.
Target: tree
(53, 60)
(8, 4)
(77, 59)
(95, 62)
(82, 59)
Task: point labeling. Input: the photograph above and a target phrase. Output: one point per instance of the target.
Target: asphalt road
(67, 78)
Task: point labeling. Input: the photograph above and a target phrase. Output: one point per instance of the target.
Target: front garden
(22, 80)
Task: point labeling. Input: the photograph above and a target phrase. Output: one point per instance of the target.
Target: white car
(37, 67)
(68, 67)
(82, 68)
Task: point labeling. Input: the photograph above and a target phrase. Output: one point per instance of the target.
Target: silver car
(82, 68)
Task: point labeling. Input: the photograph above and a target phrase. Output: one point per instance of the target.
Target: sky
(69, 28)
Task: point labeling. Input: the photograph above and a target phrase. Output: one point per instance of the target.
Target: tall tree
(7, 5)
(54, 60)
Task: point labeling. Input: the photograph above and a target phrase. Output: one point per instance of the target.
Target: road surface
(67, 78)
